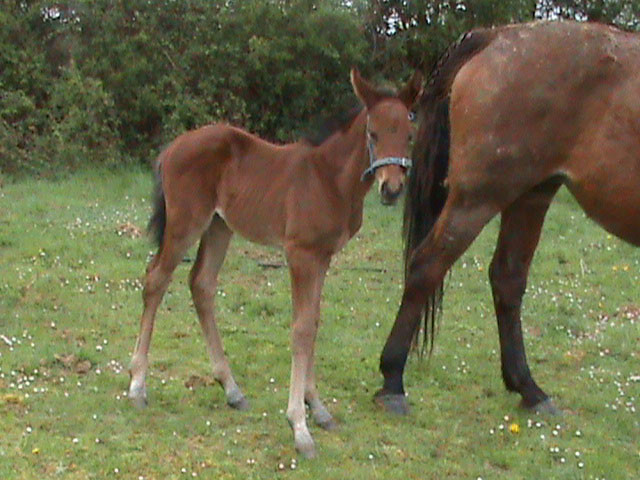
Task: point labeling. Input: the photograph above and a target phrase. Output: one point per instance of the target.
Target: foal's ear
(411, 90)
(363, 89)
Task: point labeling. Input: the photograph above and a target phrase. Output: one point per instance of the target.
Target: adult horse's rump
(510, 115)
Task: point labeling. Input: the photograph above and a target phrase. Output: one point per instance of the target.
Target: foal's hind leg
(156, 282)
(458, 225)
(203, 281)
(519, 234)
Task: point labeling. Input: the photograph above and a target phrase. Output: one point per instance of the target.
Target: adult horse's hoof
(545, 407)
(395, 403)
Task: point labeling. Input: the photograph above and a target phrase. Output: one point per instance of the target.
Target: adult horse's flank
(303, 197)
(509, 116)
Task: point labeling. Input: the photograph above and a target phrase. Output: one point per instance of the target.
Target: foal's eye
(412, 116)
(373, 136)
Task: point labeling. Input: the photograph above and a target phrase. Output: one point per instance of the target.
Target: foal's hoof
(545, 407)
(392, 402)
(327, 424)
(323, 419)
(139, 401)
(238, 403)
(305, 446)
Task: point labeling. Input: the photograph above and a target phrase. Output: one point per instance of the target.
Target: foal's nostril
(390, 195)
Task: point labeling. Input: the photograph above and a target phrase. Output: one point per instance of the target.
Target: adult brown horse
(508, 116)
(304, 198)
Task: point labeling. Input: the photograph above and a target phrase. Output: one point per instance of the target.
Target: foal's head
(389, 133)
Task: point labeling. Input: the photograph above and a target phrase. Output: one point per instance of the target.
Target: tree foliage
(415, 32)
(110, 82)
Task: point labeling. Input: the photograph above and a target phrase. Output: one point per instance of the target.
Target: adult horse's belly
(611, 199)
(603, 169)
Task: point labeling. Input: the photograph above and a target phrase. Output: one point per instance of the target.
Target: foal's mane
(339, 121)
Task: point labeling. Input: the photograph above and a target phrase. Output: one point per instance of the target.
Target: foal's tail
(158, 220)
(427, 190)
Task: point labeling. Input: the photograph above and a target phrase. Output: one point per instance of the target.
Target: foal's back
(221, 169)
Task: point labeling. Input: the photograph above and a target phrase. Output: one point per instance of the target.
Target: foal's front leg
(308, 270)
(321, 415)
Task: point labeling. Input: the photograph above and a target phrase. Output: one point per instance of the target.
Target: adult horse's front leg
(458, 225)
(520, 228)
(307, 269)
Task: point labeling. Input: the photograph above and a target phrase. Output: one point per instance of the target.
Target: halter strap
(375, 164)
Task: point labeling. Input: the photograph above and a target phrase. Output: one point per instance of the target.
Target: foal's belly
(290, 209)
(254, 226)
(252, 205)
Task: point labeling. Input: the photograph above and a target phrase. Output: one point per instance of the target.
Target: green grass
(70, 285)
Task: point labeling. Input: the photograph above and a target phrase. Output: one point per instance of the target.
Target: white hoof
(305, 445)
(138, 394)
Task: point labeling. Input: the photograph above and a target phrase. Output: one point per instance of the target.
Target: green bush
(101, 82)
(83, 123)
(19, 128)
(78, 126)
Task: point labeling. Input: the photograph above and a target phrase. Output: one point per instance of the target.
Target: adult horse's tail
(158, 220)
(427, 189)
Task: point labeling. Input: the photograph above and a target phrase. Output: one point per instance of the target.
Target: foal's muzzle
(388, 194)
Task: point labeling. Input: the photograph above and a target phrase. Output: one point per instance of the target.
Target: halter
(375, 164)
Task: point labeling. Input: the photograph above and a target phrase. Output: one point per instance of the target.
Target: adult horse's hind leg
(203, 281)
(520, 228)
(461, 221)
(156, 282)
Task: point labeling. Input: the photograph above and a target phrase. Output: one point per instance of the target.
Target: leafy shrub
(83, 123)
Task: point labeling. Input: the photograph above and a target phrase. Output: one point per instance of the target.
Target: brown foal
(305, 198)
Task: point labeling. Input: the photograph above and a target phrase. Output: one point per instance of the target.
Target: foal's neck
(345, 153)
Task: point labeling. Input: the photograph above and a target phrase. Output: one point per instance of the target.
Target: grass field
(71, 265)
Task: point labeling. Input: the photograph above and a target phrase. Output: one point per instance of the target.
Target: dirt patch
(629, 312)
(71, 362)
(128, 229)
(196, 381)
